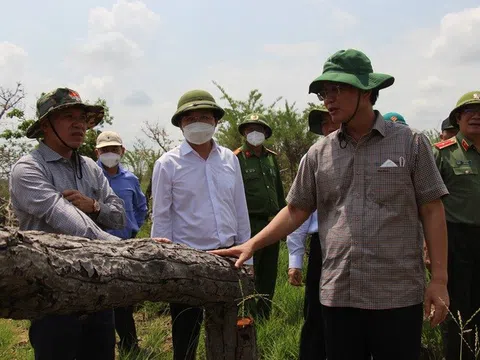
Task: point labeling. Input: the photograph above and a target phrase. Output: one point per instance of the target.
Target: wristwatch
(96, 206)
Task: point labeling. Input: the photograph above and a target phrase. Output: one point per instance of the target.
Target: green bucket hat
(59, 99)
(194, 100)
(395, 117)
(255, 119)
(315, 119)
(351, 67)
(470, 98)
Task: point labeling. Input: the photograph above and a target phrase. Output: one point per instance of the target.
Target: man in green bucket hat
(198, 200)
(53, 189)
(377, 189)
(265, 198)
(458, 160)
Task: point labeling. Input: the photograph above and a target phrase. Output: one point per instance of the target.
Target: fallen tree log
(44, 273)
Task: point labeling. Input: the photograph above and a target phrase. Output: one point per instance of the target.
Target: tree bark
(44, 274)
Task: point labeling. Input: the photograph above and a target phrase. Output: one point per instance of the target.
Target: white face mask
(110, 160)
(198, 133)
(255, 138)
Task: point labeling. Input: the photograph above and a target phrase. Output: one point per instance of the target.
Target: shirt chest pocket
(251, 175)
(387, 186)
(127, 197)
(224, 179)
(465, 170)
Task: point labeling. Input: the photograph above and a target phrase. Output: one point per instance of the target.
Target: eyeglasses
(472, 110)
(332, 92)
(190, 119)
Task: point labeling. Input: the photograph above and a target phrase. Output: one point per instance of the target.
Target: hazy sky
(141, 56)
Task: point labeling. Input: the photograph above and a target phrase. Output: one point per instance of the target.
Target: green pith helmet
(315, 119)
(395, 117)
(194, 100)
(255, 119)
(470, 98)
(351, 67)
(59, 99)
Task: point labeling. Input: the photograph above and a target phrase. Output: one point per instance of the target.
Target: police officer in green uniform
(265, 197)
(458, 160)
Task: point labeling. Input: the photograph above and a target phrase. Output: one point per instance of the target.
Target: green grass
(277, 339)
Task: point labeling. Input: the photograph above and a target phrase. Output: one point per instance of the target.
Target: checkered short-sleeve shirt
(368, 196)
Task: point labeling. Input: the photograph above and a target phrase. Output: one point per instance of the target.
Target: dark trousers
(67, 337)
(393, 334)
(312, 344)
(186, 324)
(265, 265)
(463, 288)
(125, 326)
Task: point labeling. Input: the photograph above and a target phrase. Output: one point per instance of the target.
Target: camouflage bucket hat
(59, 99)
(194, 100)
(315, 119)
(395, 117)
(470, 98)
(255, 119)
(351, 67)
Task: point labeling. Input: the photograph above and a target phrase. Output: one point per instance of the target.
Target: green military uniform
(459, 164)
(265, 198)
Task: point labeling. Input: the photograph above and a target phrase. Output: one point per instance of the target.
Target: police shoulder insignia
(446, 143)
(271, 151)
(238, 151)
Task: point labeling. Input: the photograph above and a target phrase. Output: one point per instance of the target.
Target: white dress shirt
(296, 241)
(199, 203)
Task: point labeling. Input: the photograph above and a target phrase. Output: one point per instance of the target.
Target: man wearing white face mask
(109, 151)
(265, 197)
(198, 200)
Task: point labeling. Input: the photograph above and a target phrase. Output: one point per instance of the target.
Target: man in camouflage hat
(458, 160)
(374, 184)
(448, 130)
(265, 197)
(198, 200)
(53, 189)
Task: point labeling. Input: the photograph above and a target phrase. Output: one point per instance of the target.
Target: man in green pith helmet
(198, 200)
(458, 160)
(395, 117)
(378, 192)
(265, 197)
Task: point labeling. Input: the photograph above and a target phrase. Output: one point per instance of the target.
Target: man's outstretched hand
(243, 252)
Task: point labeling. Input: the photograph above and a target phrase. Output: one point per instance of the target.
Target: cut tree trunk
(44, 274)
